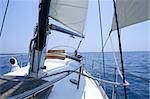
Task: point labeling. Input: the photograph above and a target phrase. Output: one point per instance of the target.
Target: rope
(67, 71)
(120, 47)
(4, 18)
(116, 63)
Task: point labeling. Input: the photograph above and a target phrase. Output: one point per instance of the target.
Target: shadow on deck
(20, 86)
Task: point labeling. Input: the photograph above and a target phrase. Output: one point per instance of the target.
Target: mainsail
(130, 12)
(71, 13)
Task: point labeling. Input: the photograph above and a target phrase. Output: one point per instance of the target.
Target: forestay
(71, 13)
(130, 12)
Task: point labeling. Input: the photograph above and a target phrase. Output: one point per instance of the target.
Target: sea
(136, 65)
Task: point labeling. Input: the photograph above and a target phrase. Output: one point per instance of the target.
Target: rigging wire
(79, 45)
(107, 39)
(67, 71)
(2, 25)
(114, 94)
(101, 30)
(120, 47)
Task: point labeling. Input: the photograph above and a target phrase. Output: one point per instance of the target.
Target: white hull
(63, 88)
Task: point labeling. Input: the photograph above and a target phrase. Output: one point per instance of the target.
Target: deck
(57, 87)
(19, 86)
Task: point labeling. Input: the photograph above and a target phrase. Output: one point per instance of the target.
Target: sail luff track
(43, 25)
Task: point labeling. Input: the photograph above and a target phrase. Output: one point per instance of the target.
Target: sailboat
(54, 74)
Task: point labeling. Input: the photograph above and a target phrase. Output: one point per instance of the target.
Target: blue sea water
(137, 70)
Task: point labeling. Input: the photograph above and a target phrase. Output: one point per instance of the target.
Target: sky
(22, 17)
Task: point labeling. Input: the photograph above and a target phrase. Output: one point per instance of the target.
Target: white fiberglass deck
(64, 89)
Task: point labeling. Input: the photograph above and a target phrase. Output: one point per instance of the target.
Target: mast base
(36, 64)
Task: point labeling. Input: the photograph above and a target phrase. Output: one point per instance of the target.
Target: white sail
(71, 13)
(130, 12)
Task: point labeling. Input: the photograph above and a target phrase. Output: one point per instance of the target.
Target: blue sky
(22, 18)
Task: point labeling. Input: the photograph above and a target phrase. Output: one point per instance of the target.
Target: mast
(37, 58)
